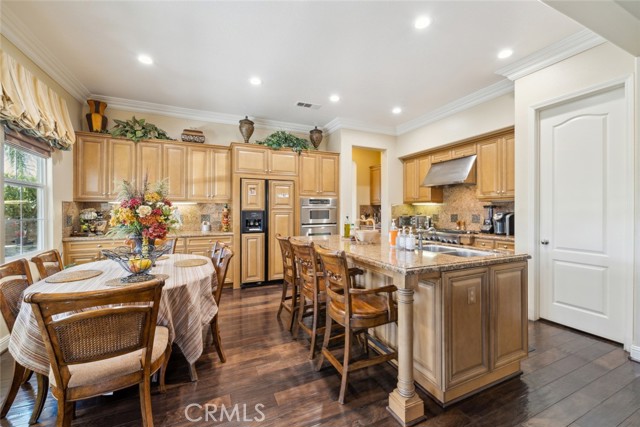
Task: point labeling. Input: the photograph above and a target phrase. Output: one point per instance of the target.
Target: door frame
(533, 214)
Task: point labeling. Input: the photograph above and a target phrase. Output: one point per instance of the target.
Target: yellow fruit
(145, 264)
(134, 265)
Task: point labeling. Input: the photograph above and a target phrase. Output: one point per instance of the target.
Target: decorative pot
(225, 218)
(141, 244)
(246, 128)
(315, 136)
(96, 119)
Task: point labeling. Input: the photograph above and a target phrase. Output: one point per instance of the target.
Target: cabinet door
(489, 169)
(308, 175)
(329, 178)
(280, 222)
(90, 154)
(508, 167)
(441, 156)
(509, 339)
(483, 243)
(221, 185)
(283, 163)
(174, 168)
(199, 174)
(252, 258)
(250, 160)
(410, 185)
(425, 194)
(121, 165)
(281, 196)
(149, 161)
(466, 324)
(463, 151)
(253, 194)
(374, 185)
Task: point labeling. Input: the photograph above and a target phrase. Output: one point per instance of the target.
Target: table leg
(192, 372)
(404, 404)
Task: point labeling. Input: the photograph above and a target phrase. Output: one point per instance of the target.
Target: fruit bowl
(136, 264)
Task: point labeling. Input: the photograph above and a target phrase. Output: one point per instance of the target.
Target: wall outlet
(205, 217)
(475, 219)
(68, 222)
(435, 217)
(454, 217)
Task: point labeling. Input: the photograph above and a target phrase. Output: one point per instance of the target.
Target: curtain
(30, 106)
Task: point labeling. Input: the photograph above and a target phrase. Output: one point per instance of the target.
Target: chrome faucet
(430, 229)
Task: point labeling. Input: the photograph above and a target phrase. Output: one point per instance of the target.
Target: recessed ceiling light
(255, 81)
(334, 98)
(422, 22)
(396, 110)
(505, 53)
(145, 59)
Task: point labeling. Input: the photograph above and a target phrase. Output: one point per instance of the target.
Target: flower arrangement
(144, 212)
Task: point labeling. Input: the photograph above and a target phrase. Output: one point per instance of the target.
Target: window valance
(29, 106)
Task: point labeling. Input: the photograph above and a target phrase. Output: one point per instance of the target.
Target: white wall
(581, 72)
(492, 115)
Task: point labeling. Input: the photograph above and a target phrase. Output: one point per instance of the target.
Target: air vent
(308, 105)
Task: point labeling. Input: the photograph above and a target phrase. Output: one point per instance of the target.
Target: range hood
(457, 171)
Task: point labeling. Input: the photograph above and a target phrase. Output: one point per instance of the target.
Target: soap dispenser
(401, 239)
(393, 234)
(410, 241)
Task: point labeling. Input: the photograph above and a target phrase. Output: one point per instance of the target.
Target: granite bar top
(178, 234)
(409, 262)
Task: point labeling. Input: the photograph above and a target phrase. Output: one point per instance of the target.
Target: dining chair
(15, 277)
(170, 242)
(102, 341)
(220, 256)
(356, 310)
(288, 300)
(48, 263)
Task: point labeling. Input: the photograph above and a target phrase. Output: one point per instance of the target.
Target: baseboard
(4, 343)
(634, 353)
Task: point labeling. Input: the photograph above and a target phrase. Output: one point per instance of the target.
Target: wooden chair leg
(325, 342)
(217, 340)
(163, 369)
(345, 365)
(28, 373)
(283, 297)
(294, 306)
(41, 397)
(301, 304)
(193, 373)
(65, 412)
(145, 402)
(314, 328)
(18, 376)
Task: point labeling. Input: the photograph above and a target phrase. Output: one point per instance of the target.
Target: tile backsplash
(460, 204)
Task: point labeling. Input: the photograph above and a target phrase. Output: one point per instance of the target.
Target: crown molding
(19, 34)
(552, 54)
(483, 95)
(199, 115)
(342, 123)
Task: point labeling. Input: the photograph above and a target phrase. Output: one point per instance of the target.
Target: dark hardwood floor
(568, 379)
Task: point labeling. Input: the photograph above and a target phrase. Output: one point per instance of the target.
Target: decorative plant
(137, 130)
(282, 139)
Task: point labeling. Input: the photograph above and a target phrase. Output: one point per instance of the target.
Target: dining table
(186, 305)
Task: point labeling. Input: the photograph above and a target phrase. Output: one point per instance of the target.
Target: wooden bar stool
(356, 310)
(289, 299)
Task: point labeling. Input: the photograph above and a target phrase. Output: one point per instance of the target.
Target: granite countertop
(178, 234)
(409, 262)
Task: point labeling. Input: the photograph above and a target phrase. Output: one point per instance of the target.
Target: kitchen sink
(449, 250)
(438, 248)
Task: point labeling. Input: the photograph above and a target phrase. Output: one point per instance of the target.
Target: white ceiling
(367, 52)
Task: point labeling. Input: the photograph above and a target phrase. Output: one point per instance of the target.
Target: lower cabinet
(82, 252)
(252, 258)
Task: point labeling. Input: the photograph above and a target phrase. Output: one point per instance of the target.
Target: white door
(584, 214)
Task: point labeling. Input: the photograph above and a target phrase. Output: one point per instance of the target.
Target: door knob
(544, 242)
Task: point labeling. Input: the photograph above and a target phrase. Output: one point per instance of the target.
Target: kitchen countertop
(409, 262)
(178, 234)
(498, 237)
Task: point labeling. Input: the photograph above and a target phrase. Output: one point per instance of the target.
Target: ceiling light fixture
(145, 59)
(422, 22)
(396, 110)
(334, 98)
(505, 53)
(255, 81)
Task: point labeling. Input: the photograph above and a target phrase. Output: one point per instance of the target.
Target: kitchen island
(462, 318)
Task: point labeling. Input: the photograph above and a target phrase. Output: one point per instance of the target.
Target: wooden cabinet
(100, 164)
(174, 169)
(493, 244)
(414, 171)
(375, 185)
(483, 243)
(202, 246)
(319, 174)
(455, 152)
(82, 252)
(149, 155)
(281, 221)
(252, 258)
(261, 160)
(208, 178)
(253, 194)
(496, 168)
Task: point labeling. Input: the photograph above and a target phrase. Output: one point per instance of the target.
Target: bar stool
(288, 301)
(356, 310)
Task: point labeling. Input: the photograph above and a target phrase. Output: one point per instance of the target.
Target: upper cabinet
(260, 160)
(195, 172)
(496, 168)
(319, 174)
(375, 184)
(100, 164)
(414, 171)
(453, 153)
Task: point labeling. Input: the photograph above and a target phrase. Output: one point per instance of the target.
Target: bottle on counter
(393, 234)
(347, 228)
(401, 240)
(410, 242)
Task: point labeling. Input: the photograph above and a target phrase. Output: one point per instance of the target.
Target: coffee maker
(499, 223)
(487, 225)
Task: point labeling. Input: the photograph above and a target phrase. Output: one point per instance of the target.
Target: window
(24, 210)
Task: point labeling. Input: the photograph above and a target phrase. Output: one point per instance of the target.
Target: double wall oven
(318, 216)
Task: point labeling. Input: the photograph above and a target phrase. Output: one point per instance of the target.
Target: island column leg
(404, 404)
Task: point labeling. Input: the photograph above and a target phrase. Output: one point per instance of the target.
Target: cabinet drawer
(505, 246)
(484, 243)
(208, 241)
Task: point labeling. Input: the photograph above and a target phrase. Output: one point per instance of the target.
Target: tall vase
(142, 245)
(96, 119)
(246, 128)
(315, 136)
